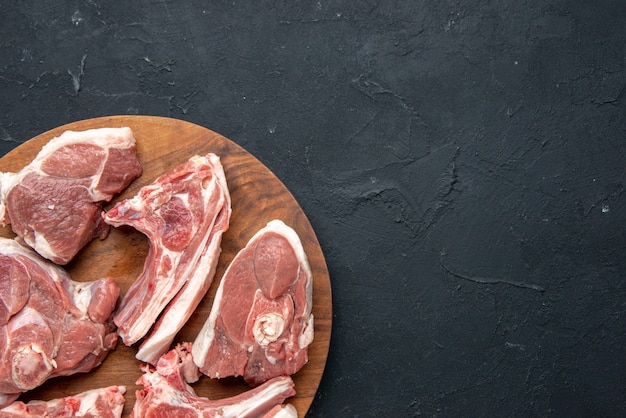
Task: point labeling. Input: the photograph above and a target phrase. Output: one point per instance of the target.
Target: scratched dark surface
(462, 162)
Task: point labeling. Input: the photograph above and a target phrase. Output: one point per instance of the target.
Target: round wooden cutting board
(258, 196)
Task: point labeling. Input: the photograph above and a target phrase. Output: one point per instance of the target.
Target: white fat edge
(7, 182)
(172, 321)
(11, 247)
(103, 137)
(204, 339)
(288, 411)
(41, 245)
(245, 407)
(218, 169)
(307, 336)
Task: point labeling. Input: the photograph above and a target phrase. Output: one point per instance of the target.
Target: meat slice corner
(183, 213)
(50, 325)
(260, 324)
(96, 403)
(54, 203)
(166, 392)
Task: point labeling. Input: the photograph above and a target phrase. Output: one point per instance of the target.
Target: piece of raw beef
(50, 325)
(54, 204)
(260, 323)
(184, 214)
(97, 403)
(166, 392)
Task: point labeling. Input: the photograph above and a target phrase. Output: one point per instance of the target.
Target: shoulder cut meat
(54, 203)
(184, 214)
(260, 323)
(50, 325)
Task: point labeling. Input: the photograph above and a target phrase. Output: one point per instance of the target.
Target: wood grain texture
(258, 196)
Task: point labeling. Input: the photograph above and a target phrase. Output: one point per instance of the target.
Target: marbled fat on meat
(54, 204)
(97, 403)
(50, 325)
(166, 393)
(260, 325)
(184, 214)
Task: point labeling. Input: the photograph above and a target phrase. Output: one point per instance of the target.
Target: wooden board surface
(258, 196)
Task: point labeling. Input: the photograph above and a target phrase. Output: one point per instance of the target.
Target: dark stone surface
(463, 163)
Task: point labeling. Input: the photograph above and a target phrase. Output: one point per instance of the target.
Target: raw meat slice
(54, 203)
(261, 323)
(184, 214)
(96, 403)
(167, 394)
(50, 325)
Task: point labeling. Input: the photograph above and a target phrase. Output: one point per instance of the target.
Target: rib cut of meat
(50, 325)
(97, 403)
(184, 214)
(260, 323)
(166, 392)
(54, 203)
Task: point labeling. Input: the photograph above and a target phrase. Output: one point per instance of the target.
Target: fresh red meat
(184, 214)
(96, 403)
(54, 203)
(261, 323)
(50, 325)
(166, 392)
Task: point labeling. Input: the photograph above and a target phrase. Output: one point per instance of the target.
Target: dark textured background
(463, 163)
